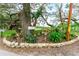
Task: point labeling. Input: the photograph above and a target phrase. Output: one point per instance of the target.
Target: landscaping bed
(39, 37)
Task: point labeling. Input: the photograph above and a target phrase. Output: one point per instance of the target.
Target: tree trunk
(34, 22)
(69, 18)
(25, 18)
(60, 15)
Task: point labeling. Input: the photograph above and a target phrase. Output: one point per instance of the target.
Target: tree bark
(25, 18)
(35, 22)
(60, 14)
(69, 19)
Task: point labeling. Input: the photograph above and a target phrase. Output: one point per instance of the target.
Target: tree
(25, 18)
(60, 14)
(6, 11)
(69, 19)
(36, 15)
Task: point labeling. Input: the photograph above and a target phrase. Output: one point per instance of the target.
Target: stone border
(37, 45)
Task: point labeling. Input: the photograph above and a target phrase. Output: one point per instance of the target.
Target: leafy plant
(37, 32)
(75, 29)
(72, 36)
(55, 36)
(29, 38)
(9, 33)
(62, 28)
(0, 33)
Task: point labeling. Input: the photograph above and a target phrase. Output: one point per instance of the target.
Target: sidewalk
(6, 53)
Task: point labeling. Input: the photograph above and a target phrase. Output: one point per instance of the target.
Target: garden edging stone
(38, 45)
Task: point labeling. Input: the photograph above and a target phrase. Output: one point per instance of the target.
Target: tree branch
(46, 21)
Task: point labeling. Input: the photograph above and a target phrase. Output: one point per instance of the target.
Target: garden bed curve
(38, 45)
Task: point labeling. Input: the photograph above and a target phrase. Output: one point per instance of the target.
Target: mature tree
(25, 18)
(6, 12)
(57, 13)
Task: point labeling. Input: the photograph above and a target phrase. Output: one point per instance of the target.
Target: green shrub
(0, 33)
(40, 30)
(9, 33)
(62, 28)
(72, 36)
(37, 32)
(29, 38)
(75, 29)
(55, 36)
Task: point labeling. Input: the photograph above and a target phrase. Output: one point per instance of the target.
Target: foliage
(62, 28)
(75, 29)
(0, 33)
(9, 33)
(59, 32)
(37, 32)
(29, 38)
(72, 35)
(41, 30)
(37, 14)
(55, 36)
(6, 14)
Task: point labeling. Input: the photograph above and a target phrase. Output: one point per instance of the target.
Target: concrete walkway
(6, 53)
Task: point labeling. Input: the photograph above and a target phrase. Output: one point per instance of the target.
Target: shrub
(29, 38)
(9, 33)
(72, 36)
(0, 33)
(37, 32)
(55, 36)
(41, 30)
(75, 29)
(62, 28)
